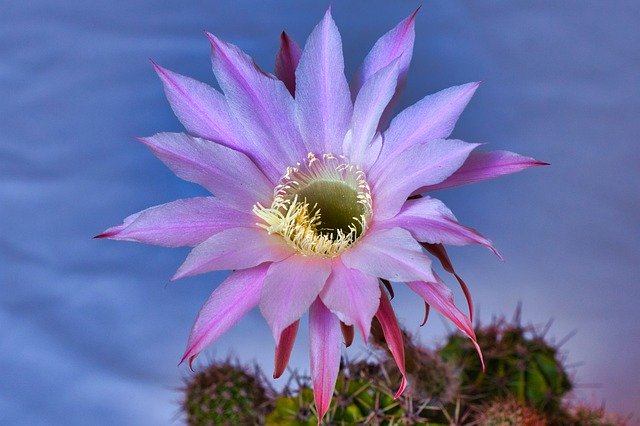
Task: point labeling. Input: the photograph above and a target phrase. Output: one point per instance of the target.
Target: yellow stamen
(320, 207)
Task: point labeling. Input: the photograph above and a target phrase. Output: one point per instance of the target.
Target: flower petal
(440, 252)
(236, 248)
(347, 333)
(287, 61)
(418, 166)
(322, 93)
(324, 341)
(430, 221)
(395, 44)
(391, 254)
(431, 118)
(227, 173)
(236, 296)
(284, 348)
(481, 166)
(261, 104)
(393, 337)
(202, 110)
(186, 222)
(290, 288)
(439, 296)
(371, 101)
(352, 296)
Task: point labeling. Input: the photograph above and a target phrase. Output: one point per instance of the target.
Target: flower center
(321, 207)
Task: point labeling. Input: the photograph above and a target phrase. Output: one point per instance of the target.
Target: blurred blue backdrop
(90, 331)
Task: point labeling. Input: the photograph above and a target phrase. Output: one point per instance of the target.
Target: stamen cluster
(320, 207)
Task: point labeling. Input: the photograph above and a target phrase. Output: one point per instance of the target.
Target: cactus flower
(319, 195)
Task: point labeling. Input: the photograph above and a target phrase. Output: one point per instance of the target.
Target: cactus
(519, 363)
(224, 394)
(508, 412)
(589, 415)
(359, 398)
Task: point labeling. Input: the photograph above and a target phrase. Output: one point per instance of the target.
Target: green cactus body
(224, 394)
(518, 364)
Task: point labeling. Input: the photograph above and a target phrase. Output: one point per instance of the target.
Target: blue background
(91, 331)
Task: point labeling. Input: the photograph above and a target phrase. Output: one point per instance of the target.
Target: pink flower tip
(403, 386)
(191, 359)
(105, 235)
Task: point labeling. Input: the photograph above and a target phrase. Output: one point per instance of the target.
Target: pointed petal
(284, 348)
(440, 252)
(236, 296)
(393, 337)
(186, 222)
(371, 101)
(352, 296)
(481, 166)
(388, 286)
(322, 93)
(430, 221)
(202, 110)
(289, 289)
(395, 44)
(227, 173)
(347, 333)
(324, 341)
(236, 248)
(261, 105)
(420, 165)
(287, 61)
(391, 254)
(439, 296)
(427, 308)
(431, 118)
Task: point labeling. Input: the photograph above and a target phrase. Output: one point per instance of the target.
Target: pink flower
(316, 193)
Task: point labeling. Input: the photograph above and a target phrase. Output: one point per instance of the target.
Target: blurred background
(91, 331)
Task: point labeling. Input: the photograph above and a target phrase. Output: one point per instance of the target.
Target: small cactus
(589, 415)
(508, 412)
(224, 394)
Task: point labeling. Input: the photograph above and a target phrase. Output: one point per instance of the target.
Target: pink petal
(324, 341)
(439, 296)
(393, 337)
(287, 61)
(391, 254)
(202, 110)
(418, 166)
(186, 222)
(261, 104)
(430, 221)
(284, 348)
(371, 101)
(322, 93)
(290, 288)
(236, 296)
(236, 248)
(431, 118)
(352, 296)
(397, 43)
(440, 252)
(227, 173)
(481, 166)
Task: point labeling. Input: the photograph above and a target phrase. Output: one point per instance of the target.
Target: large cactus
(224, 394)
(519, 363)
